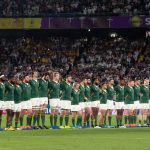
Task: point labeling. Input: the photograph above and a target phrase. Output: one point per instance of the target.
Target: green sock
(120, 122)
(38, 119)
(16, 124)
(55, 120)
(61, 120)
(92, 122)
(27, 121)
(117, 121)
(130, 119)
(30, 120)
(80, 121)
(73, 122)
(105, 121)
(43, 119)
(51, 120)
(125, 119)
(148, 119)
(66, 120)
(21, 121)
(109, 120)
(0, 122)
(34, 120)
(134, 120)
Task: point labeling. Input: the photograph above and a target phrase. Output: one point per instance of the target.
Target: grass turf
(76, 139)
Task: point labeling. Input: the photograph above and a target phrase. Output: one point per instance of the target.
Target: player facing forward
(43, 95)
(136, 98)
(120, 101)
(26, 104)
(87, 103)
(65, 103)
(103, 103)
(111, 98)
(34, 83)
(144, 102)
(2, 92)
(75, 107)
(82, 98)
(129, 101)
(54, 92)
(9, 101)
(17, 100)
(95, 103)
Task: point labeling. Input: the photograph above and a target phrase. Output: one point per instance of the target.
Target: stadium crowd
(77, 56)
(10, 8)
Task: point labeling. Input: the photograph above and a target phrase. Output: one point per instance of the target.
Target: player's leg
(74, 114)
(109, 114)
(63, 112)
(17, 114)
(102, 117)
(79, 118)
(87, 116)
(43, 111)
(67, 118)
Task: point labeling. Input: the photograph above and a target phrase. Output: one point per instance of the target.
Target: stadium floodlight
(89, 30)
(113, 35)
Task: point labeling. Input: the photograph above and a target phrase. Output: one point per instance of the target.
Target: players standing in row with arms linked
(83, 99)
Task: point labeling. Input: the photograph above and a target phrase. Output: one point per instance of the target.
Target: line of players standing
(86, 99)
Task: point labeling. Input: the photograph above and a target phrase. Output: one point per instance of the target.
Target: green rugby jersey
(66, 91)
(34, 88)
(129, 95)
(43, 88)
(9, 91)
(88, 93)
(75, 97)
(54, 89)
(136, 93)
(26, 91)
(2, 91)
(119, 93)
(145, 94)
(103, 97)
(95, 91)
(17, 94)
(82, 93)
(111, 93)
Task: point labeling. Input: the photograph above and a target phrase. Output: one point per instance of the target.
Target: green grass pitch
(76, 139)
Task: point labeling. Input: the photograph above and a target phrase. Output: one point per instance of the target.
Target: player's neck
(68, 82)
(55, 81)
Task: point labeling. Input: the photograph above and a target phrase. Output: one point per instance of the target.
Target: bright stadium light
(89, 30)
(113, 35)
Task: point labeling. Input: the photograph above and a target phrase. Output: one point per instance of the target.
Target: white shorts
(43, 100)
(54, 103)
(110, 104)
(95, 104)
(87, 104)
(136, 105)
(129, 106)
(143, 105)
(103, 106)
(65, 104)
(75, 108)
(9, 105)
(2, 105)
(82, 106)
(17, 107)
(119, 105)
(26, 104)
(35, 102)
